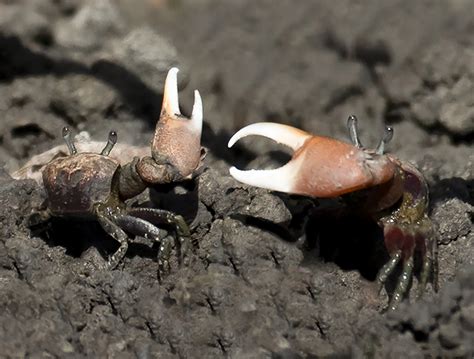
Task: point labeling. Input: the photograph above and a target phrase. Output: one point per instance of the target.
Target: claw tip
(231, 143)
(170, 96)
(197, 113)
(174, 70)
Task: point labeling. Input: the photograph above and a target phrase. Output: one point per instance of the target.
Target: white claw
(287, 135)
(170, 96)
(282, 179)
(197, 116)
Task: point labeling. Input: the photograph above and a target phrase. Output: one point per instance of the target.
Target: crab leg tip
(170, 96)
(197, 113)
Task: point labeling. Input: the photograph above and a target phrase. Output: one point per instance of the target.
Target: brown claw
(176, 146)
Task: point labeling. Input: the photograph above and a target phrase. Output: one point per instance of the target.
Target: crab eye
(387, 137)
(112, 140)
(69, 141)
(353, 131)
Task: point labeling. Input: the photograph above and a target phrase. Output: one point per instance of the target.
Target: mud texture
(254, 288)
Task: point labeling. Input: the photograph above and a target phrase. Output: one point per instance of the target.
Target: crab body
(93, 185)
(123, 153)
(392, 192)
(75, 185)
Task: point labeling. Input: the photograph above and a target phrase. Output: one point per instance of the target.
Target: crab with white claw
(90, 185)
(391, 191)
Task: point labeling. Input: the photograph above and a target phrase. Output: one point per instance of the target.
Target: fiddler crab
(96, 185)
(391, 191)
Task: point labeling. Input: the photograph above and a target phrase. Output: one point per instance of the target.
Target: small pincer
(176, 151)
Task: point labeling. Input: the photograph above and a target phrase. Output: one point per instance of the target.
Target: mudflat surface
(252, 288)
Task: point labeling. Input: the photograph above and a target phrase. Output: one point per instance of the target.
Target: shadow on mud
(17, 60)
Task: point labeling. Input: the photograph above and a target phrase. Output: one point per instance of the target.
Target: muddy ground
(253, 288)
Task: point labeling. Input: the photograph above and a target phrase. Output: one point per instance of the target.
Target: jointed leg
(164, 255)
(403, 283)
(387, 269)
(425, 274)
(429, 269)
(160, 216)
(138, 227)
(426, 270)
(157, 216)
(143, 228)
(119, 235)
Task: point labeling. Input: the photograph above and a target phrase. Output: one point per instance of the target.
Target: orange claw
(320, 167)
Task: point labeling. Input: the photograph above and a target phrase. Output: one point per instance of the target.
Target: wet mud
(266, 279)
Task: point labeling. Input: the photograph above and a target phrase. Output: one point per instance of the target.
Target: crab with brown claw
(391, 191)
(92, 185)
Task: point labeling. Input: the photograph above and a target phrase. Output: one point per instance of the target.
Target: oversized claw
(320, 166)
